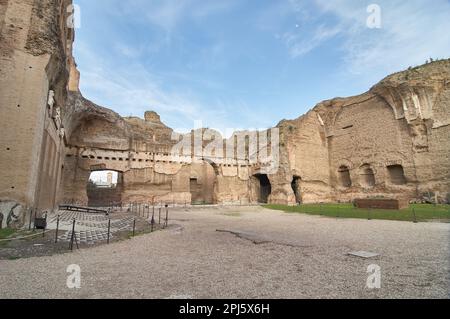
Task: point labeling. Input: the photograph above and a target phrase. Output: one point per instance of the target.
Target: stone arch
(107, 123)
(344, 178)
(97, 132)
(107, 194)
(367, 176)
(363, 99)
(203, 182)
(396, 174)
(77, 171)
(296, 188)
(392, 99)
(213, 164)
(263, 187)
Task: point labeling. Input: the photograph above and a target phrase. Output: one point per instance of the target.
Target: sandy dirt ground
(247, 252)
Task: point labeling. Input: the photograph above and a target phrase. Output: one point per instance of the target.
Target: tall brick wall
(33, 63)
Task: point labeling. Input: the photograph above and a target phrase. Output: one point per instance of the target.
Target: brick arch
(367, 175)
(105, 196)
(346, 162)
(375, 97)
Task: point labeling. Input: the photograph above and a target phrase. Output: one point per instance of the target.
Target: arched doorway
(104, 188)
(367, 176)
(296, 180)
(203, 183)
(396, 174)
(263, 187)
(344, 177)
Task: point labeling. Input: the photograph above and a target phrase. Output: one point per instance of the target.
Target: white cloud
(169, 14)
(299, 46)
(412, 31)
(128, 50)
(133, 89)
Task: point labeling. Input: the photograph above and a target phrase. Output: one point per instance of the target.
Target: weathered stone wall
(366, 135)
(99, 139)
(304, 140)
(403, 122)
(391, 142)
(422, 97)
(34, 46)
(155, 177)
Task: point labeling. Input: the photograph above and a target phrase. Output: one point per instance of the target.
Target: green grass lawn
(422, 212)
(6, 232)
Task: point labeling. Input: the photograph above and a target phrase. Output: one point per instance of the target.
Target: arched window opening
(396, 174)
(203, 183)
(296, 188)
(367, 176)
(344, 177)
(104, 188)
(264, 188)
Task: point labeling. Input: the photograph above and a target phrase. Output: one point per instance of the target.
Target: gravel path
(256, 253)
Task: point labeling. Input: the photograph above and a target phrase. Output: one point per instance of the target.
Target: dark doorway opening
(203, 183)
(196, 192)
(345, 179)
(367, 176)
(296, 188)
(265, 188)
(397, 174)
(104, 189)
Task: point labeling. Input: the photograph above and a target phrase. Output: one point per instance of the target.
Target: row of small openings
(147, 160)
(153, 154)
(396, 176)
(137, 153)
(120, 159)
(234, 165)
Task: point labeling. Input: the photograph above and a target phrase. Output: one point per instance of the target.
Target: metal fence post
(167, 216)
(31, 217)
(57, 229)
(45, 226)
(109, 229)
(159, 219)
(73, 234)
(153, 219)
(134, 227)
(35, 212)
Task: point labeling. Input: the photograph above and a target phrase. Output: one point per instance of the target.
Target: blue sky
(247, 64)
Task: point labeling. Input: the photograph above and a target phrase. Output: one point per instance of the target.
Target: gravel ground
(247, 252)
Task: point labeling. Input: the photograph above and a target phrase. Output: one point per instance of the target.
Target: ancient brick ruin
(391, 142)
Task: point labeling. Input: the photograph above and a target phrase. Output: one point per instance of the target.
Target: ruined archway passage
(264, 188)
(296, 180)
(105, 188)
(344, 177)
(367, 176)
(202, 183)
(396, 174)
